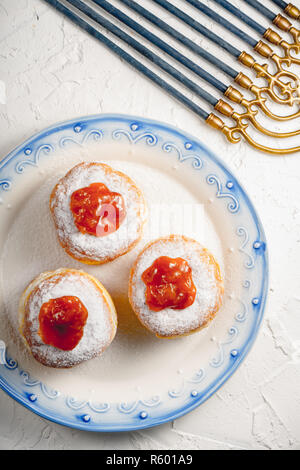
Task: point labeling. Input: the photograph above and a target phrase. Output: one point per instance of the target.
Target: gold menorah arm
(258, 102)
(275, 82)
(292, 11)
(266, 51)
(285, 25)
(287, 47)
(234, 134)
(250, 115)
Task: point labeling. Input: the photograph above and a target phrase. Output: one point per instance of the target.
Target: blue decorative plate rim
(140, 414)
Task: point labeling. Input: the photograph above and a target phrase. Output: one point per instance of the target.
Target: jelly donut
(175, 286)
(66, 317)
(99, 213)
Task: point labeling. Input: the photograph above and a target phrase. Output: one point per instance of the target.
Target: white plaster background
(52, 71)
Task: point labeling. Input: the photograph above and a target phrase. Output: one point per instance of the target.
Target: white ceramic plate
(140, 380)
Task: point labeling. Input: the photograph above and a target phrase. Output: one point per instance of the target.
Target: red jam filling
(62, 321)
(97, 210)
(169, 283)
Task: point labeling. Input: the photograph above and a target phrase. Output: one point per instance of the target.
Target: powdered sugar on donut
(171, 322)
(86, 246)
(98, 330)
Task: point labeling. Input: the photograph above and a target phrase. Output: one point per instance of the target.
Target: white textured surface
(51, 71)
